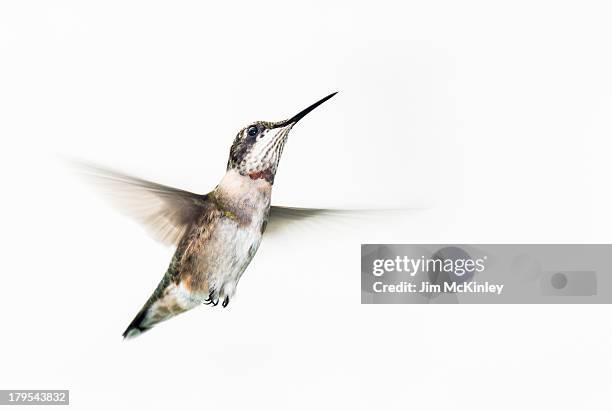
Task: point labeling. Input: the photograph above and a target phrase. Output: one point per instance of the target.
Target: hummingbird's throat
(266, 174)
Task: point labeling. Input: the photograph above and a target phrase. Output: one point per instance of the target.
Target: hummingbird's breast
(244, 196)
(222, 244)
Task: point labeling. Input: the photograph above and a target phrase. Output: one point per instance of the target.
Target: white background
(490, 119)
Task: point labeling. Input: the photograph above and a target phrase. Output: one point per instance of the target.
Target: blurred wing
(165, 212)
(282, 217)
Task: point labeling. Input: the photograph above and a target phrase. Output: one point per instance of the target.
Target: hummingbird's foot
(213, 298)
(225, 301)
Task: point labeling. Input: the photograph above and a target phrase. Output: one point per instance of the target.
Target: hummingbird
(217, 234)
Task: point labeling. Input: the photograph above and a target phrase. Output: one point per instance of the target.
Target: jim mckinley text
(456, 273)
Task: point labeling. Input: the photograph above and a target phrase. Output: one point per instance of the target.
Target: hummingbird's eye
(252, 131)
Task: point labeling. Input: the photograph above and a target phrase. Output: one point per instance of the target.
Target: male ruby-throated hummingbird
(216, 234)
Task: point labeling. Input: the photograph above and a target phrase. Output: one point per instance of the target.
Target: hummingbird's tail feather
(136, 327)
(168, 299)
(147, 317)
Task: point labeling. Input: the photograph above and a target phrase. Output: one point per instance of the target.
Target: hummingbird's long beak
(307, 110)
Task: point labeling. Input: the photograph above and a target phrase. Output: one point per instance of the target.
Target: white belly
(241, 244)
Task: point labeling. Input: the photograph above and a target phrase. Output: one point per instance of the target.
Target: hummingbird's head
(257, 148)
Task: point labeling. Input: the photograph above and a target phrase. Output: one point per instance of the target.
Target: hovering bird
(216, 234)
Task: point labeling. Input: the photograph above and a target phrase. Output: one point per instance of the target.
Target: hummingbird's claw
(225, 302)
(211, 299)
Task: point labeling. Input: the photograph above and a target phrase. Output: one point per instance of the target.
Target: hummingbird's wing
(281, 217)
(166, 212)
